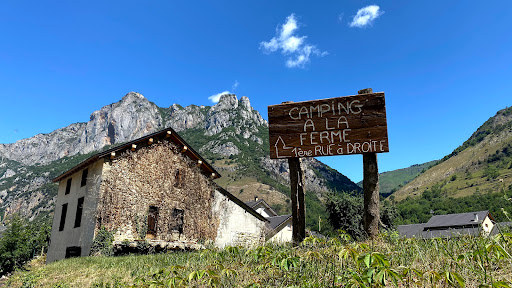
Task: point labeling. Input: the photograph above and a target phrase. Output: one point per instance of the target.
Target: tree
(21, 241)
(346, 213)
(389, 215)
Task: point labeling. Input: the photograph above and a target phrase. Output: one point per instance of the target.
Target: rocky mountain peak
(230, 112)
(226, 102)
(175, 107)
(245, 103)
(132, 96)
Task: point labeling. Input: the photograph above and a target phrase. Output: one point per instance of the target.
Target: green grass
(386, 261)
(391, 181)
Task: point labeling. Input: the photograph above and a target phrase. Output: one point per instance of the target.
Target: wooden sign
(336, 126)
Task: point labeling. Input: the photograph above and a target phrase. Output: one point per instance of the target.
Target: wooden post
(297, 195)
(371, 217)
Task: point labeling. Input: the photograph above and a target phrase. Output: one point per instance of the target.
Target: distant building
(280, 227)
(155, 188)
(452, 225)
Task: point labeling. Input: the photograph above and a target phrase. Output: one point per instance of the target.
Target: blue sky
(445, 66)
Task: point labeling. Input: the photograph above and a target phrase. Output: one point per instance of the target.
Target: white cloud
(215, 98)
(295, 47)
(270, 46)
(293, 43)
(365, 16)
(340, 17)
(289, 27)
(235, 85)
(300, 59)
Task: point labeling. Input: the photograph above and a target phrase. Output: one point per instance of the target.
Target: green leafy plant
(102, 243)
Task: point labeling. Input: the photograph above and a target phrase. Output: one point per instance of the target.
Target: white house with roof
(280, 226)
(451, 225)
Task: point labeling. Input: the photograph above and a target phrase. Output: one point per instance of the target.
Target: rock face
(224, 149)
(130, 118)
(231, 128)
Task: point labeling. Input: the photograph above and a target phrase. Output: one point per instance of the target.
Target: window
(63, 216)
(74, 251)
(79, 209)
(84, 177)
(177, 179)
(68, 186)
(152, 221)
(177, 220)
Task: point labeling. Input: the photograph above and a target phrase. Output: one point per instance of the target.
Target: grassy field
(387, 261)
(391, 181)
(464, 174)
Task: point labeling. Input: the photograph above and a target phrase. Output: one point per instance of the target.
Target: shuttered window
(63, 216)
(68, 186)
(84, 177)
(79, 209)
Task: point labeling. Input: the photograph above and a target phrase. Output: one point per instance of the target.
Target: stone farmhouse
(453, 225)
(156, 189)
(280, 225)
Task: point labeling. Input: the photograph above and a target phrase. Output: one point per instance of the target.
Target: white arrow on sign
(279, 139)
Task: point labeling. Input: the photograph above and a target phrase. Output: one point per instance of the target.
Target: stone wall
(157, 175)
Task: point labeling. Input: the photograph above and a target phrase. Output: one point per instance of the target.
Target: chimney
(476, 217)
(255, 198)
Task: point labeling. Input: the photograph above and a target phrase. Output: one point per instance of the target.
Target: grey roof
(451, 232)
(274, 221)
(410, 230)
(504, 224)
(278, 220)
(498, 226)
(253, 204)
(455, 220)
(239, 202)
(449, 225)
(417, 231)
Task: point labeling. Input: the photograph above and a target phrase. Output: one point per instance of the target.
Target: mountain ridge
(482, 164)
(391, 181)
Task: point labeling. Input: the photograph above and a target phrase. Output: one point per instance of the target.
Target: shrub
(346, 213)
(102, 243)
